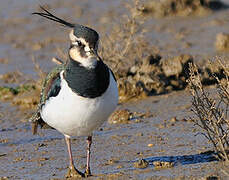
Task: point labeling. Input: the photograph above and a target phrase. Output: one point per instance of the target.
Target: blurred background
(133, 34)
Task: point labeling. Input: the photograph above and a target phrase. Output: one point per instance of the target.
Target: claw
(74, 173)
(87, 173)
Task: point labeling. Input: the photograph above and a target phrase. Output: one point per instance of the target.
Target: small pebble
(150, 145)
(163, 164)
(142, 163)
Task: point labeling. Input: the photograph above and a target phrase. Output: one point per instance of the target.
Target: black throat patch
(90, 83)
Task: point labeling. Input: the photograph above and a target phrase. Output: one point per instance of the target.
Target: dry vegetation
(211, 110)
(139, 69)
(125, 46)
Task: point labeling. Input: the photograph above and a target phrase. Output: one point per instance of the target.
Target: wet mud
(182, 7)
(149, 47)
(165, 145)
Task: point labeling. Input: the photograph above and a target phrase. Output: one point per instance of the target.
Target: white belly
(74, 115)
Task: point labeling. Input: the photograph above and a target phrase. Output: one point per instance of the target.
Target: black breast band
(86, 82)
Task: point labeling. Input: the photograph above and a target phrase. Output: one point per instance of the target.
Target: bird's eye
(79, 43)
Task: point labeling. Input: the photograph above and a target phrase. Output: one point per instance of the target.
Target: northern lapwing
(79, 95)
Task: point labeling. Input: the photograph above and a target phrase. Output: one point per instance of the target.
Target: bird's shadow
(203, 157)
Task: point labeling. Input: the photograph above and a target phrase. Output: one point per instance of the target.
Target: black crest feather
(50, 16)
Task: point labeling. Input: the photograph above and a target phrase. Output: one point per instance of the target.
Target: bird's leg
(88, 170)
(72, 172)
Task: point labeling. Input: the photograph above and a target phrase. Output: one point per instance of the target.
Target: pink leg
(73, 172)
(68, 142)
(88, 170)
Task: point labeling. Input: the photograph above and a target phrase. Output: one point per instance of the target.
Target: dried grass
(125, 46)
(211, 113)
(38, 69)
(126, 42)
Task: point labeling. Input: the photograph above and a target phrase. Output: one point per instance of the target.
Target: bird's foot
(74, 173)
(87, 173)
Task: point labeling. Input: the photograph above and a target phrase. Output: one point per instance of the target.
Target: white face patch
(72, 36)
(75, 43)
(88, 62)
(86, 49)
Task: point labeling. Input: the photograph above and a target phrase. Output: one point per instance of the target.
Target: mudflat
(150, 136)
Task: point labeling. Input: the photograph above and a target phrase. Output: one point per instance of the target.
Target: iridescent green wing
(51, 87)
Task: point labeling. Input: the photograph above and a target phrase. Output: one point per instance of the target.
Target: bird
(77, 96)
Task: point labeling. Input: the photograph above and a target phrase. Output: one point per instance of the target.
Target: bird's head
(84, 45)
(84, 41)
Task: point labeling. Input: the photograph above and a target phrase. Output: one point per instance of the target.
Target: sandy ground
(163, 135)
(166, 135)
